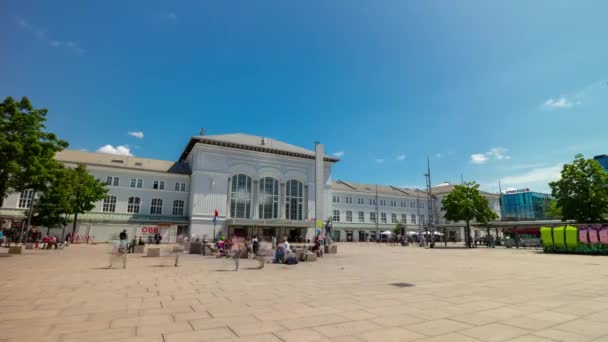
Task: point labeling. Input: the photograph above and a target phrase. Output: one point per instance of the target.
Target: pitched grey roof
(445, 188)
(252, 142)
(371, 189)
(121, 162)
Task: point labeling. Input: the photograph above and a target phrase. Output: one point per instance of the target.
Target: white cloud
(401, 157)
(137, 134)
(559, 103)
(379, 160)
(495, 153)
(42, 35)
(479, 158)
(536, 179)
(121, 150)
(172, 16)
(498, 153)
(338, 154)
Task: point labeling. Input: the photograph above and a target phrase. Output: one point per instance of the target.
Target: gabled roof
(445, 188)
(371, 189)
(121, 162)
(253, 143)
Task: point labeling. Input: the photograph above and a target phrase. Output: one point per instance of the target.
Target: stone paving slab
(458, 295)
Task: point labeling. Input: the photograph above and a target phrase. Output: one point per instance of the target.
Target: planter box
(333, 249)
(29, 245)
(15, 249)
(139, 249)
(153, 252)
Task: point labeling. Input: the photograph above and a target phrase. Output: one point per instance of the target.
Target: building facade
(239, 184)
(360, 212)
(524, 205)
(258, 186)
(603, 160)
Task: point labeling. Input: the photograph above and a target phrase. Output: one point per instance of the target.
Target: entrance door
(349, 236)
(362, 236)
(294, 235)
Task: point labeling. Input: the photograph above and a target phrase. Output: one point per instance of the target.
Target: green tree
(26, 150)
(465, 203)
(53, 208)
(582, 191)
(553, 211)
(85, 190)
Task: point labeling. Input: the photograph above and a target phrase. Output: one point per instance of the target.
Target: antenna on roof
(201, 132)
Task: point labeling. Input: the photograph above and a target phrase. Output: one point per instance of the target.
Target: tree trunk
(74, 226)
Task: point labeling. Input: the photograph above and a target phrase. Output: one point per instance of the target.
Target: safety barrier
(584, 239)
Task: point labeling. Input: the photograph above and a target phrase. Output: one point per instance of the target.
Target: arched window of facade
(268, 198)
(294, 199)
(240, 196)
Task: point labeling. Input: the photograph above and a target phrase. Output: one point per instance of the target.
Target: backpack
(291, 261)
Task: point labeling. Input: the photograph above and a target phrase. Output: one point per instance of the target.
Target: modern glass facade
(603, 160)
(524, 206)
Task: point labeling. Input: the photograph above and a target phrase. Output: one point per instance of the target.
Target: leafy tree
(465, 203)
(85, 190)
(552, 211)
(53, 208)
(26, 150)
(72, 191)
(582, 191)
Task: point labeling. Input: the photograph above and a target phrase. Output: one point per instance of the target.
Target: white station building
(258, 186)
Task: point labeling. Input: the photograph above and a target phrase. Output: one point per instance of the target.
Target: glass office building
(603, 160)
(524, 205)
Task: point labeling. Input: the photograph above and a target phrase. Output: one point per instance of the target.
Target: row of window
(134, 205)
(139, 183)
(268, 198)
(372, 217)
(372, 201)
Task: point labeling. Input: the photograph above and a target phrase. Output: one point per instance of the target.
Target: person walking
(274, 242)
(122, 247)
(133, 244)
(235, 248)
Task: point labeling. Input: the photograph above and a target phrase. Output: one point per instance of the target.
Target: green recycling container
(571, 237)
(546, 235)
(558, 237)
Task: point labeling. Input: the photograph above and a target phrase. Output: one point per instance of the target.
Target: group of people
(34, 235)
(129, 247)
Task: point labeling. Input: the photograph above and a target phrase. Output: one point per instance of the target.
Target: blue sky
(488, 90)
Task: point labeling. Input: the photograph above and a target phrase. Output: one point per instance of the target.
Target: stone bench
(14, 249)
(309, 256)
(195, 248)
(333, 249)
(153, 252)
(139, 249)
(29, 245)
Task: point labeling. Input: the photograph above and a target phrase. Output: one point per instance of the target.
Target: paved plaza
(457, 295)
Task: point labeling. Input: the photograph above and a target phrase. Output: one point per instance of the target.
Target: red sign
(149, 230)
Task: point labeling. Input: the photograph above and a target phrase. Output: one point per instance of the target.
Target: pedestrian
(133, 244)
(279, 254)
(274, 242)
(68, 239)
(286, 247)
(235, 248)
(141, 241)
(122, 247)
(1, 236)
(255, 245)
